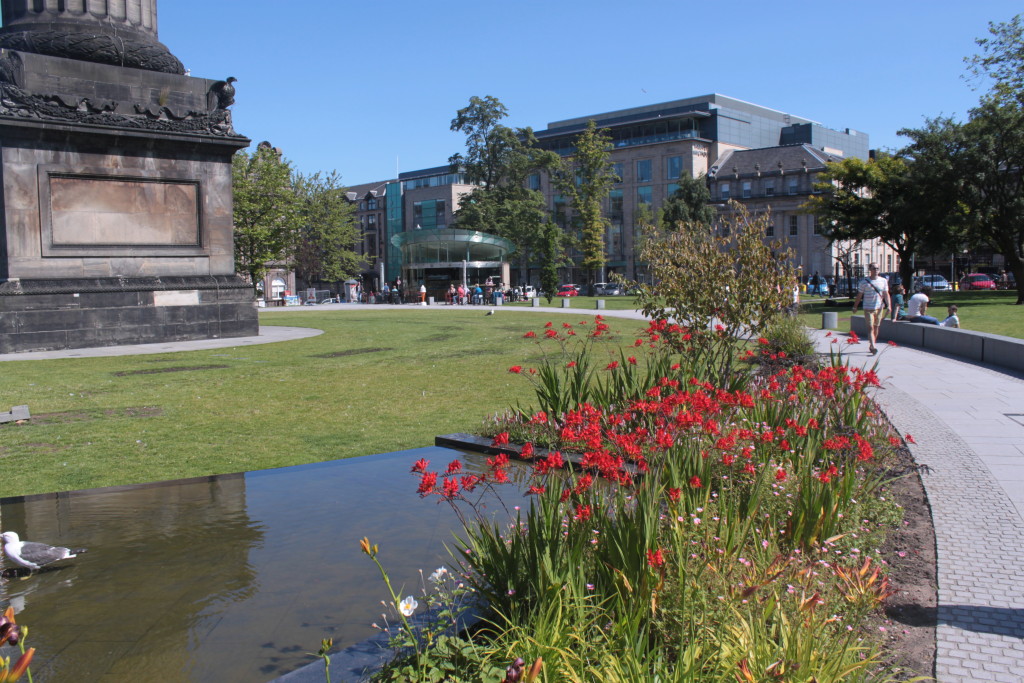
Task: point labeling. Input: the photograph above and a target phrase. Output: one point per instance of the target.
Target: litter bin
(499, 299)
(829, 320)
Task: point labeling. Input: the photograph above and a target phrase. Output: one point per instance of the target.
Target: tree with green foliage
(499, 159)
(888, 198)
(690, 203)
(992, 188)
(325, 232)
(992, 162)
(1001, 59)
(265, 207)
(551, 253)
(586, 179)
(724, 285)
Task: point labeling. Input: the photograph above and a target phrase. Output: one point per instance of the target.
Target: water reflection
(229, 578)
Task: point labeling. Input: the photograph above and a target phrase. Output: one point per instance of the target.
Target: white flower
(438, 575)
(408, 606)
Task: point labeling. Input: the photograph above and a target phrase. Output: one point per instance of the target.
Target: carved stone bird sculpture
(34, 555)
(222, 94)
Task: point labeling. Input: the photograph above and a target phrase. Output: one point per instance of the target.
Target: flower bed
(712, 530)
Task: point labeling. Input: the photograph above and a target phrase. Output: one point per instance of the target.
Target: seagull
(34, 555)
(490, 312)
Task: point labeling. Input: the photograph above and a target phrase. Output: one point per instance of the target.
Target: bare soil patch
(180, 368)
(352, 352)
(908, 624)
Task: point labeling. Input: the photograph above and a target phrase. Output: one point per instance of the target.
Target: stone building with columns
(778, 181)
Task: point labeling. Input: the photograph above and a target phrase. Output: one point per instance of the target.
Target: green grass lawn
(375, 381)
(992, 312)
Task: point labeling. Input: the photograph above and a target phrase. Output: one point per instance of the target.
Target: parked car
(817, 285)
(976, 281)
(936, 282)
(568, 290)
(607, 289)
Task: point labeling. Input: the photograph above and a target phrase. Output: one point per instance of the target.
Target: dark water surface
(228, 578)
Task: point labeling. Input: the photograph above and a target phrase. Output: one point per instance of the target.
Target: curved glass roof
(448, 245)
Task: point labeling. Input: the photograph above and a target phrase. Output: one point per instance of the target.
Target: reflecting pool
(227, 578)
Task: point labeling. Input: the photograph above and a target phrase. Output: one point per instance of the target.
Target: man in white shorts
(874, 291)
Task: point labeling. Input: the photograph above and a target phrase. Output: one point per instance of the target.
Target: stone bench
(982, 347)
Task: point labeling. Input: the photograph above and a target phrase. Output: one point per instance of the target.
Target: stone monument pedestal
(116, 206)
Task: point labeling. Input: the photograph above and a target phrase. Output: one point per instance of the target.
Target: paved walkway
(968, 422)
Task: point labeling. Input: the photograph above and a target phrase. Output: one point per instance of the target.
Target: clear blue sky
(364, 87)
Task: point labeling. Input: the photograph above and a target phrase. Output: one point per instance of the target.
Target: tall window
(371, 204)
(794, 185)
(644, 195)
(615, 205)
(770, 230)
(793, 229)
(815, 230)
(769, 188)
(723, 190)
(533, 181)
(673, 167)
(643, 171)
(746, 189)
(615, 238)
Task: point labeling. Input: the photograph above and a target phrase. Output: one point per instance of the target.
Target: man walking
(874, 291)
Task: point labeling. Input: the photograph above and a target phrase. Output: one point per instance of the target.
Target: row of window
(794, 226)
(768, 188)
(644, 172)
(435, 181)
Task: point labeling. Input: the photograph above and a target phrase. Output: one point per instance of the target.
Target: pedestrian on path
(874, 291)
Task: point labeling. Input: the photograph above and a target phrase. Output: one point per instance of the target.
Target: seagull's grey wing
(40, 553)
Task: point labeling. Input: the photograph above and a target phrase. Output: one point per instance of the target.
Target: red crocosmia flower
(749, 468)
(420, 465)
(638, 342)
(582, 513)
(828, 334)
(547, 324)
(550, 334)
(894, 441)
(571, 364)
(535, 490)
(762, 341)
(539, 418)
(674, 494)
(728, 459)
(632, 360)
(854, 339)
(427, 483)
(611, 366)
(598, 317)
(533, 371)
(530, 335)
(780, 474)
(719, 327)
(450, 488)
(676, 366)
(527, 451)
(909, 439)
(567, 326)
(500, 439)
(501, 477)
(454, 467)
(655, 558)
(469, 482)
(695, 482)
(516, 369)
